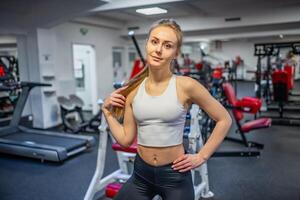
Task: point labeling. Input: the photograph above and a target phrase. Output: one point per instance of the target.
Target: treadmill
(35, 143)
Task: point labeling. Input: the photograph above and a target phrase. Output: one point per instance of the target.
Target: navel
(154, 159)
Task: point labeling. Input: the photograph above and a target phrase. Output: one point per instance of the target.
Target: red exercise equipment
(247, 104)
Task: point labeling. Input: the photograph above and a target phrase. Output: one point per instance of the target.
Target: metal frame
(195, 143)
(270, 49)
(99, 182)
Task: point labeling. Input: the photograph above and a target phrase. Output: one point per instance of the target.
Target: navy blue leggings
(148, 181)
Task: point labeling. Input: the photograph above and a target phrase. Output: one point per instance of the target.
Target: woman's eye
(168, 46)
(154, 42)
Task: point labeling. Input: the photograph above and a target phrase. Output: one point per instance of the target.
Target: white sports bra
(160, 119)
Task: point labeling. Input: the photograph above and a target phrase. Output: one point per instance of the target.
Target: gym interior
(59, 59)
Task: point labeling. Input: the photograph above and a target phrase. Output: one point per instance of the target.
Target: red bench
(250, 105)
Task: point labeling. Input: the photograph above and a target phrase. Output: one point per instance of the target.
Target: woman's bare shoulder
(186, 82)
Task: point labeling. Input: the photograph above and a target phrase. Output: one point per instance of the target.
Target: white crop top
(160, 119)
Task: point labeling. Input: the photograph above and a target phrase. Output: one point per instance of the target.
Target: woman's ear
(177, 53)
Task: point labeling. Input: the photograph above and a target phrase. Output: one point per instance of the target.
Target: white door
(84, 73)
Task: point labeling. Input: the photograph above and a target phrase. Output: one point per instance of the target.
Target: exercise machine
(239, 106)
(281, 87)
(8, 73)
(113, 182)
(268, 50)
(279, 82)
(36, 143)
(72, 106)
(9, 68)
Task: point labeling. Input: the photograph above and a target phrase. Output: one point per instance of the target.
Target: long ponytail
(132, 84)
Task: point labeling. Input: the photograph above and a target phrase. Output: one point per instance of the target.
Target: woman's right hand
(115, 99)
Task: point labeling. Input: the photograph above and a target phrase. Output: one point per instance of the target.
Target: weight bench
(245, 105)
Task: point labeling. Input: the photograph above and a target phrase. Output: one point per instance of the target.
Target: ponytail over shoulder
(132, 84)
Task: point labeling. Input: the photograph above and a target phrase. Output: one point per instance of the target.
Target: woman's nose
(158, 49)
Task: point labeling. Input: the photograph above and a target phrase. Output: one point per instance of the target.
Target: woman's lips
(156, 58)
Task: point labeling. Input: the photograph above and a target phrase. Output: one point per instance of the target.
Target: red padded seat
(112, 189)
(131, 149)
(256, 124)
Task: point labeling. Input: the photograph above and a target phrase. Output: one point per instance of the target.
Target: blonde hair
(138, 79)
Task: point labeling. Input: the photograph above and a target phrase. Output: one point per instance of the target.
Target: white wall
(84, 64)
(103, 39)
(57, 42)
(241, 48)
(29, 67)
(47, 62)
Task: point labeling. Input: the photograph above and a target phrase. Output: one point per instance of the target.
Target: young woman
(154, 107)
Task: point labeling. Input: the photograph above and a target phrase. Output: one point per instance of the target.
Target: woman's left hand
(187, 162)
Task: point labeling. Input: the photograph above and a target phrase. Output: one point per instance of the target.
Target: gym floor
(272, 176)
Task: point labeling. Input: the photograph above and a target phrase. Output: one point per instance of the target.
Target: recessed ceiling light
(131, 33)
(151, 11)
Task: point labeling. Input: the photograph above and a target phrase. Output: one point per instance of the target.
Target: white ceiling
(208, 8)
(175, 9)
(19, 16)
(203, 18)
(206, 18)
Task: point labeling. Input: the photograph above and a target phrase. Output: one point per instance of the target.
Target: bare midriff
(158, 156)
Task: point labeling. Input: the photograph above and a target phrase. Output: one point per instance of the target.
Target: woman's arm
(197, 94)
(200, 96)
(126, 133)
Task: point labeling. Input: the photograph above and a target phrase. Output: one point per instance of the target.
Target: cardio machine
(35, 143)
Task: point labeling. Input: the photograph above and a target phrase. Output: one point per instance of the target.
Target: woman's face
(161, 47)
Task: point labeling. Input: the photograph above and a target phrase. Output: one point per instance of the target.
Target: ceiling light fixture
(151, 11)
